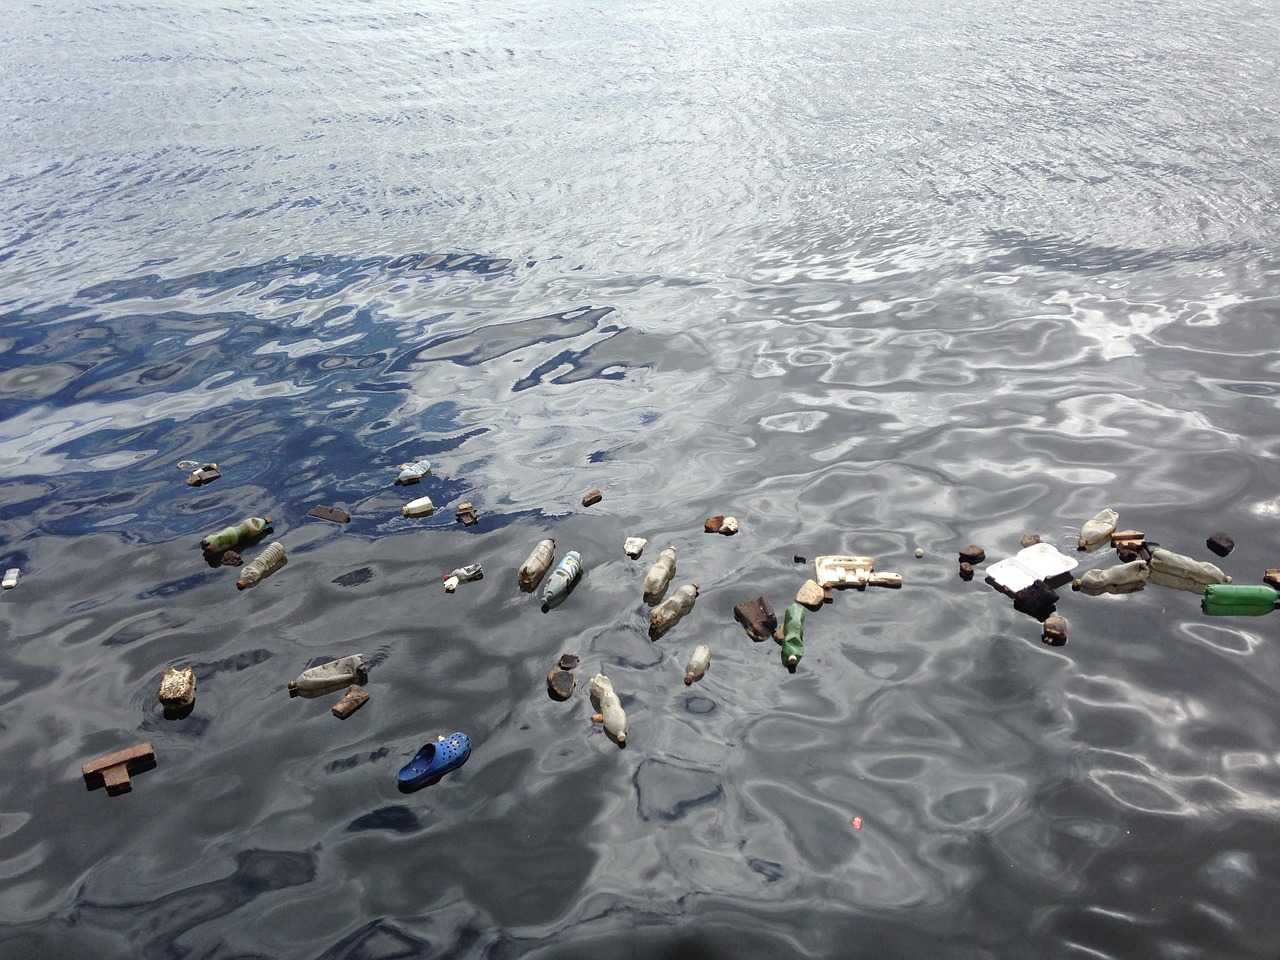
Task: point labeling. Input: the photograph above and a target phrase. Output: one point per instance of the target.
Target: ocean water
(868, 277)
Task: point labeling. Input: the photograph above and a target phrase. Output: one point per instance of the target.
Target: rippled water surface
(869, 277)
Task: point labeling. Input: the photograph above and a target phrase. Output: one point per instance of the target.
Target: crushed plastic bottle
(607, 702)
(536, 565)
(263, 565)
(564, 576)
(659, 576)
(1169, 569)
(331, 675)
(666, 614)
(228, 537)
(412, 472)
(792, 635)
(699, 660)
(1122, 578)
(11, 577)
(472, 571)
(1095, 532)
(422, 507)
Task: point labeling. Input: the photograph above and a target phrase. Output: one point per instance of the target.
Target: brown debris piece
(1272, 578)
(231, 559)
(713, 524)
(321, 512)
(1055, 631)
(757, 618)
(467, 514)
(1029, 540)
(178, 687)
(568, 661)
(597, 718)
(972, 554)
(595, 496)
(809, 595)
(560, 684)
(206, 474)
(114, 769)
(1126, 554)
(1220, 543)
(828, 595)
(799, 559)
(349, 704)
(966, 571)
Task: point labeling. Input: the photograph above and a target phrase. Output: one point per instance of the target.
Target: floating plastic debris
(634, 546)
(699, 660)
(659, 576)
(607, 703)
(1040, 561)
(536, 565)
(263, 565)
(1095, 532)
(321, 512)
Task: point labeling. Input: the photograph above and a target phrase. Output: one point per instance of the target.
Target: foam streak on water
(866, 277)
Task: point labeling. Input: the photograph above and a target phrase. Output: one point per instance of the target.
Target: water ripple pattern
(867, 277)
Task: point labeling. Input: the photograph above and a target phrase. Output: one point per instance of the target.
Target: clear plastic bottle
(659, 576)
(562, 578)
(666, 614)
(263, 565)
(792, 635)
(228, 537)
(615, 718)
(413, 472)
(472, 571)
(699, 660)
(536, 565)
(335, 673)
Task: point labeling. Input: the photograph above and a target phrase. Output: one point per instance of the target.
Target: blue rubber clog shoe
(435, 759)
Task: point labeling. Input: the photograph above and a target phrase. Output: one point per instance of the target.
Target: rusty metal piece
(560, 684)
(713, 524)
(467, 514)
(757, 618)
(115, 768)
(595, 496)
(349, 704)
(321, 512)
(178, 688)
(568, 661)
(206, 474)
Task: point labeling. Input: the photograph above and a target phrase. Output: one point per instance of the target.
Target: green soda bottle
(792, 635)
(228, 537)
(1238, 600)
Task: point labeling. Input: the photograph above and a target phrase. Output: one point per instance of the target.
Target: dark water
(868, 277)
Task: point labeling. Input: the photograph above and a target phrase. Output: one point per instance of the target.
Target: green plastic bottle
(1238, 600)
(792, 635)
(228, 537)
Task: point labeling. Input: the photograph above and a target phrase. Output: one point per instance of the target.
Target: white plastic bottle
(1123, 578)
(1171, 569)
(615, 718)
(422, 507)
(335, 673)
(1098, 530)
(659, 575)
(699, 660)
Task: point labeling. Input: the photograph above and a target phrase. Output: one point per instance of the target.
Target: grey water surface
(867, 276)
